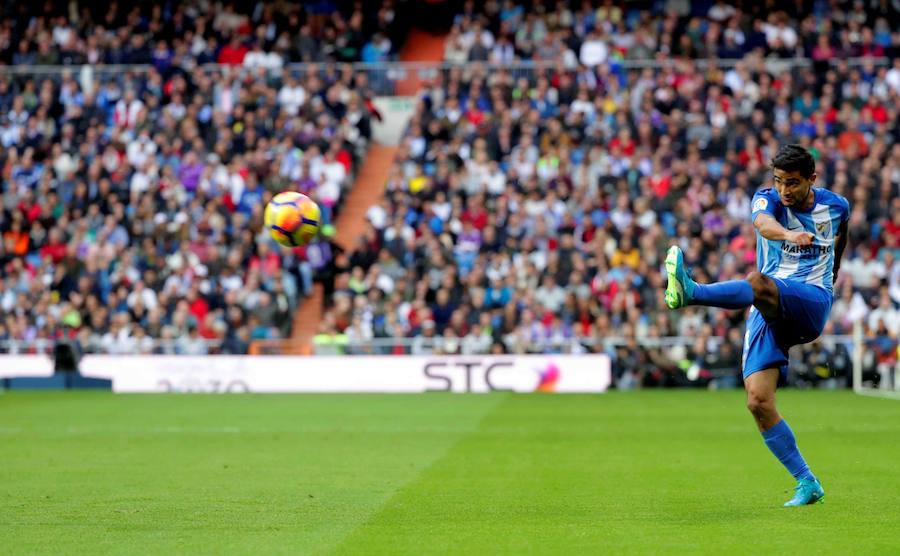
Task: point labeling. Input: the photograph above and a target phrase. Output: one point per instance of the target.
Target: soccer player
(801, 234)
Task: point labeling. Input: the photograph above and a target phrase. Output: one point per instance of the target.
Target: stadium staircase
(420, 46)
(351, 223)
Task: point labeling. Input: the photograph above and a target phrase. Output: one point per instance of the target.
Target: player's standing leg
(760, 291)
(779, 437)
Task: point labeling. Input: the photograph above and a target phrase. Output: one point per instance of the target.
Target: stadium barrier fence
(385, 78)
(373, 346)
(46, 346)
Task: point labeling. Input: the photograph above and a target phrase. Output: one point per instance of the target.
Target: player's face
(792, 187)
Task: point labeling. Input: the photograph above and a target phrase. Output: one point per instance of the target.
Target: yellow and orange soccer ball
(292, 218)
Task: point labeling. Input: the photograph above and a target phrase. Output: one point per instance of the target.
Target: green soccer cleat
(806, 492)
(680, 289)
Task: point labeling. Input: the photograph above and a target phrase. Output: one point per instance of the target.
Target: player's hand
(803, 239)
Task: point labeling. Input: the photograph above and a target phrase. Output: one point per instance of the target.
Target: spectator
(258, 58)
(378, 49)
(885, 315)
(594, 50)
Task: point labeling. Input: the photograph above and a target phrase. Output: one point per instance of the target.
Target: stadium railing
(384, 78)
(376, 346)
(406, 346)
(184, 346)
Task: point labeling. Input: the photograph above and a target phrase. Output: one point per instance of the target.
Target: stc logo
(489, 376)
(549, 378)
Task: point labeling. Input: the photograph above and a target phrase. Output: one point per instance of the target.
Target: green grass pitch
(651, 472)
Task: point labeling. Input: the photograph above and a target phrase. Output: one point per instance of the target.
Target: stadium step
(421, 46)
(351, 224)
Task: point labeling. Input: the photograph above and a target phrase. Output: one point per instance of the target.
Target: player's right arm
(763, 216)
(770, 229)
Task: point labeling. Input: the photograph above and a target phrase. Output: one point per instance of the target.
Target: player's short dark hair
(794, 158)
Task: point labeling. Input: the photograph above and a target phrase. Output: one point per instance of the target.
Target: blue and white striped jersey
(781, 259)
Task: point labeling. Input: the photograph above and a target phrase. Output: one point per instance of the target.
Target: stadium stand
(539, 181)
(132, 200)
(588, 34)
(185, 34)
(529, 211)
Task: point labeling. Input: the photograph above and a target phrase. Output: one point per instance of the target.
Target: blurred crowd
(591, 33)
(132, 205)
(529, 212)
(186, 34)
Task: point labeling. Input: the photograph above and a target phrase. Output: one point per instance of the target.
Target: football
(292, 218)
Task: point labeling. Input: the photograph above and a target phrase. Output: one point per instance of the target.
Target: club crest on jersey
(760, 204)
(822, 228)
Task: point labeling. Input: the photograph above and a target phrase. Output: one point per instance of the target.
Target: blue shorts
(803, 312)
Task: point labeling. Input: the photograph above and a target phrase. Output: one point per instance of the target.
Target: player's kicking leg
(682, 291)
(764, 351)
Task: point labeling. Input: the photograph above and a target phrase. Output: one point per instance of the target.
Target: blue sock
(733, 294)
(780, 440)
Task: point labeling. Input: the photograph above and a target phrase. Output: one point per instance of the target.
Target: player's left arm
(840, 242)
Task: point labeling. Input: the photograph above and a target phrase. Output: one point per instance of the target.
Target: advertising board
(400, 374)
